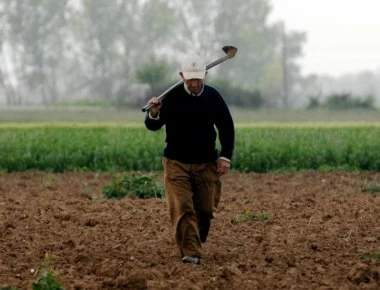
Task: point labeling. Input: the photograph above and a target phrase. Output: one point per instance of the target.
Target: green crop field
(261, 147)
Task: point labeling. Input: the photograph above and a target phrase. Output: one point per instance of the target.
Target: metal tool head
(230, 50)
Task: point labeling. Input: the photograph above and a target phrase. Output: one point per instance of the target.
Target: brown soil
(324, 234)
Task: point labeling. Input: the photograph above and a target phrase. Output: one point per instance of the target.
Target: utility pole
(285, 85)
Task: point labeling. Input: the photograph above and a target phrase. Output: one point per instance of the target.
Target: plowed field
(272, 231)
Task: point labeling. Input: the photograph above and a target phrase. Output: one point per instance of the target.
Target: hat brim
(200, 75)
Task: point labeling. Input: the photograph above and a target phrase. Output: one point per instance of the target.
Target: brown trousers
(192, 194)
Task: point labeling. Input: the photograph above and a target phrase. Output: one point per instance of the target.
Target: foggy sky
(342, 35)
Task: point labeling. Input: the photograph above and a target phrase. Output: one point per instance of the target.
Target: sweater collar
(188, 91)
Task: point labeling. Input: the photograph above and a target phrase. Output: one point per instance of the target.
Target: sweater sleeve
(226, 129)
(153, 124)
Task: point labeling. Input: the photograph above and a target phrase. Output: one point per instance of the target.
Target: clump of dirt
(363, 273)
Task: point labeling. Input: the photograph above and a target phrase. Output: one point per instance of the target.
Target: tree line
(120, 51)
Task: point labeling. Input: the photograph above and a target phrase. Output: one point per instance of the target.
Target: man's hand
(156, 108)
(223, 166)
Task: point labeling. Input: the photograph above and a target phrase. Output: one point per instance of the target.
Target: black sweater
(190, 120)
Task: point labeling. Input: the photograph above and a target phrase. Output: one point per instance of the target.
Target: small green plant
(46, 279)
(375, 257)
(250, 215)
(373, 187)
(263, 216)
(133, 186)
(365, 257)
(50, 178)
(87, 191)
(370, 186)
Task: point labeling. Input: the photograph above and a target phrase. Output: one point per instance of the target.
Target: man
(192, 166)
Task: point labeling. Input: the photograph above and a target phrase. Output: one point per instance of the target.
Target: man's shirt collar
(187, 90)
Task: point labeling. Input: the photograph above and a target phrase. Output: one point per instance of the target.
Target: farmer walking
(192, 164)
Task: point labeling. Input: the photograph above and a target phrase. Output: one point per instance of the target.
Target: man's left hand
(223, 166)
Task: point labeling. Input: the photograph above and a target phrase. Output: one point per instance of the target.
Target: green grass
(266, 149)
(133, 186)
(371, 186)
(250, 215)
(124, 147)
(374, 187)
(374, 257)
(70, 148)
(47, 278)
(109, 139)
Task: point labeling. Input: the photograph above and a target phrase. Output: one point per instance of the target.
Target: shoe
(191, 259)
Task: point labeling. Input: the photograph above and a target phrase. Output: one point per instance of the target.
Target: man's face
(194, 85)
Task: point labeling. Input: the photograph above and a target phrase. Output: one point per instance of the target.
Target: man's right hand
(156, 106)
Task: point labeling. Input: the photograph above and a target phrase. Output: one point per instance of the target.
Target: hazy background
(292, 53)
(341, 34)
(342, 47)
